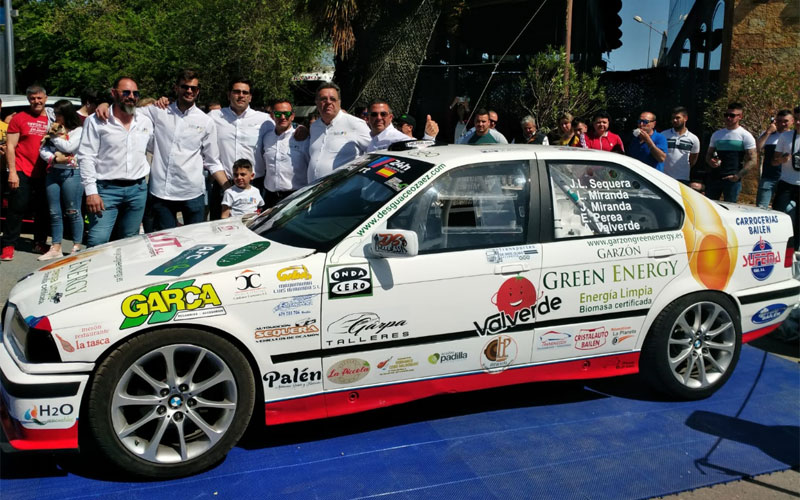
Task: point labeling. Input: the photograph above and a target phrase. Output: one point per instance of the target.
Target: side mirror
(392, 243)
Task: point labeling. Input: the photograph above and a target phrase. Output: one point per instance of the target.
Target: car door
(463, 304)
(615, 243)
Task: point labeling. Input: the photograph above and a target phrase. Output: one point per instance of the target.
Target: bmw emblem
(175, 402)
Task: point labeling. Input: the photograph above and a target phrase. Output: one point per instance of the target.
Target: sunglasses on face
(239, 92)
(645, 121)
(375, 114)
(193, 88)
(282, 114)
(731, 115)
(128, 93)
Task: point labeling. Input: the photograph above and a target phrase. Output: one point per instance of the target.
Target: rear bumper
(763, 309)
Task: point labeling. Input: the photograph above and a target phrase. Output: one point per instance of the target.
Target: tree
(543, 92)
(71, 44)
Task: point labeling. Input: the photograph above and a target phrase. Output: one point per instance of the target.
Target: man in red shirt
(600, 137)
(26, 173)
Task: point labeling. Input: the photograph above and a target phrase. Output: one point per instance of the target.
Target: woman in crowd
(63, 182)
(564, 135)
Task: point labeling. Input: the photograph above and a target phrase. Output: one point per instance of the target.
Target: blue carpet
(607, 439)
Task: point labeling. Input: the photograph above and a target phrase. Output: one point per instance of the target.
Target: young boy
(241, 198)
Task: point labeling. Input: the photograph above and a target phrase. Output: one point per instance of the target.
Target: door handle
(660, 253)
(511, 268)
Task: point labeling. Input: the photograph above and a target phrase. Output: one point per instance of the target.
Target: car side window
(477, 206)
(601, 199)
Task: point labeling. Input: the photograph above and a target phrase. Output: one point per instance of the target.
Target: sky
(633, 53)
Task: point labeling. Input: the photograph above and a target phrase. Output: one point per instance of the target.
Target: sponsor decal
(49, 287)
(756, 225)
(608, 300)
(365, 327)
(518, 253)
(241, 254)
(621, 334)
(248, 285)
(77, 277)
(403, 364)
(296, 306)
(157, 243)
(349, 281)
(617, 273)
(554, 340)
(64, 344)
(348, 371)
(618, 252)
(293, 273)
(165, 302)
(386, 166)
(179, 264)
(118, 265)
(590, 338)
(43, 414)
(390, 242)
(769, 313)
(297, 378)
(85, 254)
(498, 354)
(396, 183)
(761, 260)
(226, 227)
(303, 329)
(447, 357)
(517, 302)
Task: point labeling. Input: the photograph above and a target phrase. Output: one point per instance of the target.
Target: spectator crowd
(134, 164)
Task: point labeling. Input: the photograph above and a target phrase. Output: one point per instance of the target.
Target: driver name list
(607, 202)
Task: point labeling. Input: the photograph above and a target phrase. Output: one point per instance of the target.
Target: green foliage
(543, 92)
(761, 92)
(68, 45)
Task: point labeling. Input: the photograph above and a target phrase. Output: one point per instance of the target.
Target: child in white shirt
(242, 198)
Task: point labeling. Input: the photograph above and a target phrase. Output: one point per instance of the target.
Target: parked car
(403, 275)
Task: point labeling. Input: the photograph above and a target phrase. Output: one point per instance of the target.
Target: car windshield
(319, 215)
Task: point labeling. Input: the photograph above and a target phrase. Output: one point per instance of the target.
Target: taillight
(789, 259)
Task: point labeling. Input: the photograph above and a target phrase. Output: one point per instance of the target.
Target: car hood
(143, 260)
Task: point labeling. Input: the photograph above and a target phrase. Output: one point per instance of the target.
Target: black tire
(174, 429)
(693, 346)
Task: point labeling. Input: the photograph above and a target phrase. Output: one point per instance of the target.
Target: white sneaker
(51, 254)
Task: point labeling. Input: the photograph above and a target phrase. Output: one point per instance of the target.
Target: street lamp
(639, 19)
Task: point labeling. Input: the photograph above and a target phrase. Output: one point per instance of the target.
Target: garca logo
(162, 302)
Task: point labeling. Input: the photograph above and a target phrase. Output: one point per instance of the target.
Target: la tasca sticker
(349, 281)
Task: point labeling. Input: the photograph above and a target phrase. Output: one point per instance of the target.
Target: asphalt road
(777, 486)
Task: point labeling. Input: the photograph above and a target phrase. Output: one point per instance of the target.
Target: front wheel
(170, 403)
(693, 346)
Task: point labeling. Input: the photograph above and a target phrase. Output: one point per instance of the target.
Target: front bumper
(38, 410)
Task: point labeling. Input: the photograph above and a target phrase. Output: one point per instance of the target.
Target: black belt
(123, 182)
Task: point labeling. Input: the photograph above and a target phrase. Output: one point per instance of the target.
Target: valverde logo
(184, 260)
(241, 254)
(162, 303)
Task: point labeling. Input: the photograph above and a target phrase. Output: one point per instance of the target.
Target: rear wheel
(693, 346)
(170, 403)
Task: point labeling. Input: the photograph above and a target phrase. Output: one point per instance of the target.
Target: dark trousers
(271, 198)
(29, 189)
(787, 199)
(165, 212)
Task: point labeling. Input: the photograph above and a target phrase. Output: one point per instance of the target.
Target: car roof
(463, 153)
(15, 100)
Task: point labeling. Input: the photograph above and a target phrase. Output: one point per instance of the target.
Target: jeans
(64, 188)
(122, 201)
(165, 211)
(728, 190)
(765, 189)
(30, 188)
(787, 199)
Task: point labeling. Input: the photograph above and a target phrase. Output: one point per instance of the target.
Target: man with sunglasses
(735, 150)
(284, 156)
(238, 130)
(337, 137)
(380, 126)
(647, 145)
(113, 165)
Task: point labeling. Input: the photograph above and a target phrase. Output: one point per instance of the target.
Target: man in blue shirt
(647, 145)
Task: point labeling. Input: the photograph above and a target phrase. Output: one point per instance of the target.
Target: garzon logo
(761, 260)
(516, 301)
(162, 303)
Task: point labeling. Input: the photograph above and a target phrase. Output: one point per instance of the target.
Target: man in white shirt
(285, 157)
(381, 129)
(683, 147)
(787, 192)
(336, 138)
(113, 165)
(735, 150)
(238, 130)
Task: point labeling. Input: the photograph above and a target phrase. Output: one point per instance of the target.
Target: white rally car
(403, 275)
